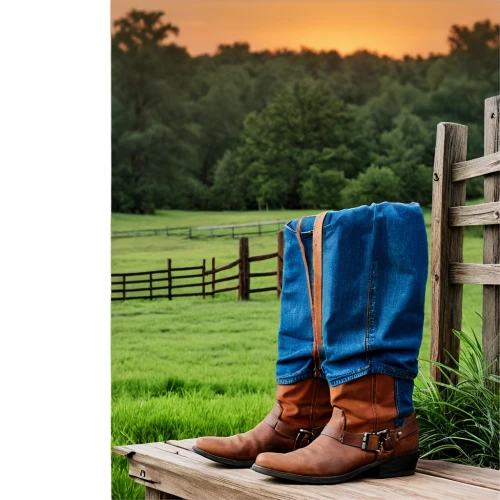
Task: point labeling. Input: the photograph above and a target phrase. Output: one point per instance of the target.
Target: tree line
(285, 129)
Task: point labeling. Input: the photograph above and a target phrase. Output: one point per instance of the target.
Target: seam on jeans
(369, 314)
(292, 380)
(366, 370)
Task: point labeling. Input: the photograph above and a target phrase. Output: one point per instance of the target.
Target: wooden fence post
(169, 279)
(447, 247)
(213, 277)
(124, 290)
(203, 270)
(150, 286)
(279, 274)
(244, 271)
(491, 252)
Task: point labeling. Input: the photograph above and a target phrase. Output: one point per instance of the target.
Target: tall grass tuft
(461, 423)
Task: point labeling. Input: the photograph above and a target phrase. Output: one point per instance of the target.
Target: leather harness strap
(299, 435)
(315, 294)
(372, 441)
(318, 279)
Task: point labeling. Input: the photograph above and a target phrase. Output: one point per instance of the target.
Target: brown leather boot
(299, 415)
(359, 439)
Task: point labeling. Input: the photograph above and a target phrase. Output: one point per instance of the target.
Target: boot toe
(267, 460)
(213, 445)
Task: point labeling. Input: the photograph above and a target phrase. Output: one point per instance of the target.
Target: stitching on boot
(313, 402)
(374, 402)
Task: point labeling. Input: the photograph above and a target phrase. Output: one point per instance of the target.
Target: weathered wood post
(447, 246)
(203, 269)
(491, 252)
(169, 273)
(244, 271)
(279, 274)
(213, 277)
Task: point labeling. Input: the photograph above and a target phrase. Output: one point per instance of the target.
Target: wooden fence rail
(170, 282)
(449, 216)
(234, 230)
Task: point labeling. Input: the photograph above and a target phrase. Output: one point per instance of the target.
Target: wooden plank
(491, 252)
(152, 494)
(262, 275)
(258, 258)
(447, 246)
(475, 168)
(228, 266)
(475, 215)
(229, 278)
(474, 274)
(485, 478)
(267, 289)
(185, 474)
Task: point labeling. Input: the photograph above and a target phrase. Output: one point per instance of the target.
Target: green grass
(183, 218)
(191, 367)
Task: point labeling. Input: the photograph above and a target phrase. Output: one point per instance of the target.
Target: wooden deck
(172, 470)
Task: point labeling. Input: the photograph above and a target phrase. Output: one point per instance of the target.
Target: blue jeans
(374, 273)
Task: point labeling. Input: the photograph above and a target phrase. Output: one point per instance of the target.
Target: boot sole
(223, 460)
(401, 465)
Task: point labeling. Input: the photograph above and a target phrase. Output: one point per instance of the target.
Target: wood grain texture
(475, 168)
(475, 215)
(447, 246)
(486, 478)
(173, 468)
(152, 494)
(491, 252)
(474, 274)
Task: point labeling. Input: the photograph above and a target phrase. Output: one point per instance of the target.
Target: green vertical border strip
(53, 341)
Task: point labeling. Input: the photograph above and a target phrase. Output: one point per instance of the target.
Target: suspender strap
(315, 294)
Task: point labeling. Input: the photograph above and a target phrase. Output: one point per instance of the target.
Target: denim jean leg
(295, 335)
(374, 275)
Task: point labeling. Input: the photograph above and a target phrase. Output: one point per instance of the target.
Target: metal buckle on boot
(300, 435)
(382, 437)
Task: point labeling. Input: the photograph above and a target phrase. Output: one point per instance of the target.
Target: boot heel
(403, 465)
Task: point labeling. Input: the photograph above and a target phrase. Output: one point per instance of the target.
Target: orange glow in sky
(392, 27)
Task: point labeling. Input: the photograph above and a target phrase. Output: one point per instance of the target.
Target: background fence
(235, 230)
(178, 281)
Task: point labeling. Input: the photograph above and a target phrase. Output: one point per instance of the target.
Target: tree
(140, 28)
(376, 185)
(476, 48)
(304, 125)
(322, 189)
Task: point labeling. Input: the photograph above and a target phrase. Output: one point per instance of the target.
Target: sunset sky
(392, 27)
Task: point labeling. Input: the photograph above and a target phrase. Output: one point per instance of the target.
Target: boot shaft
(305, 403)
(367, 404)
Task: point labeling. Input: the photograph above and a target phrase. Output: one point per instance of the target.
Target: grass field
(191, 367)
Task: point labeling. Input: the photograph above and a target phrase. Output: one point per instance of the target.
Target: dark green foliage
(461, 423)
(244, 130)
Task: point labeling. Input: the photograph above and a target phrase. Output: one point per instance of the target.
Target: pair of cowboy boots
(350, 331)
